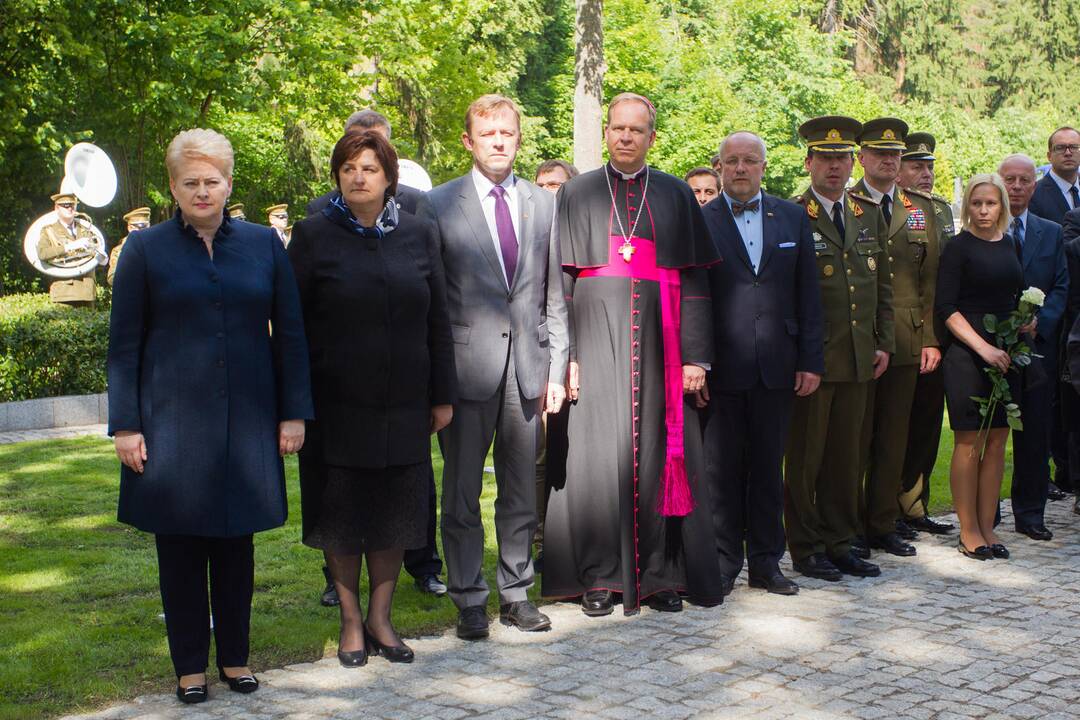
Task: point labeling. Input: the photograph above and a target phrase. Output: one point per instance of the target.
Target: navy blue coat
(193, 366)
(1045, 268)
(1047, 201)
(768, 325)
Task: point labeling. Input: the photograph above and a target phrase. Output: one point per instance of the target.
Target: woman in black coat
(204, 401)
(382, 375)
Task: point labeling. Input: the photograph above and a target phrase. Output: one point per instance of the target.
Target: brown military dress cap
(830, 133)
(920, 146)
(884, 134)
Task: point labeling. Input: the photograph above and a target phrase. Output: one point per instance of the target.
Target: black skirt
(351, 511)
(965, 377)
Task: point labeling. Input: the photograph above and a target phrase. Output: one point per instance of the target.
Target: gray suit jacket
(484, 314)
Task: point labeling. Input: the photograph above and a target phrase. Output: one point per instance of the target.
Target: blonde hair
(200, 144)
(633, 97)
(1004, 218)
(487, 105)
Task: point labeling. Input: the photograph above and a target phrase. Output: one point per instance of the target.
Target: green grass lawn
(79, 603)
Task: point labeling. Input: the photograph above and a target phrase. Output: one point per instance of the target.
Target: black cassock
(604, 529)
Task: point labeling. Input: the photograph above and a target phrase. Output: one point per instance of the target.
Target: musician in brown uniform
(69, 242)
(137, 219)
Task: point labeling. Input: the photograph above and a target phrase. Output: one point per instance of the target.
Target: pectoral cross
(626, 250)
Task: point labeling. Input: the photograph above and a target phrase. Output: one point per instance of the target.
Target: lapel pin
(769, 214)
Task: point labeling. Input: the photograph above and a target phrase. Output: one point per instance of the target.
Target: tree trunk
(589, 84)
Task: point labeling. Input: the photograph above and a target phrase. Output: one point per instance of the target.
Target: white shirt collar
(1062, 184)
(877, 194)
(827, 204)
(484, 185)
(627, 176)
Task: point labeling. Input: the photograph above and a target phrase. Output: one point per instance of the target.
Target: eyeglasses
(1066, 148)
(280, 216)
(139, 225)
(66, 206)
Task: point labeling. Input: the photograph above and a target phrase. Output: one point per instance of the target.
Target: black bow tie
(737, 208)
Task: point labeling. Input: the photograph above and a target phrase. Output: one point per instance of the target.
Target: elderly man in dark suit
(508, 318)
(1043, 257)
(769, 349)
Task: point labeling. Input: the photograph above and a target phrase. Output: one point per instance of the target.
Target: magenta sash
(675, 498)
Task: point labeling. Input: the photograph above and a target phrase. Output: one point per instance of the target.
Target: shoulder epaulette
(919, 193)
(940, 198)
(864, 198)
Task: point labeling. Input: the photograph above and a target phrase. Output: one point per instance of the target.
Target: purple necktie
(504, 225)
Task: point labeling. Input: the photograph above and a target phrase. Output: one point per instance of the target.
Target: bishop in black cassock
(617, 521)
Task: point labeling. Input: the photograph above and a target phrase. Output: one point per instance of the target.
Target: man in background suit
(1043, 257)
(1070, 379)
(508, 318)
(1057, 193)
(409, 199)
(768, 349)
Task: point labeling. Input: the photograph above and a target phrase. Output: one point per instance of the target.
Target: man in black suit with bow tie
(769, 348)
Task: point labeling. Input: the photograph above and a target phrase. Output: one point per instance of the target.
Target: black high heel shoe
(352, 658)
(1000, 551)
(242, 683)
(192, 694)
(983, 552)
(396, 654)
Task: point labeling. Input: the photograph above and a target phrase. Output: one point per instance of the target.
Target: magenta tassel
(675, 498)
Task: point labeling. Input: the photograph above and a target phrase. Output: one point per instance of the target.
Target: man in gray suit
(508, 317)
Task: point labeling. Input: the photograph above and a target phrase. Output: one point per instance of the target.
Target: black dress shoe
(596, 603)
(983, 552)
(242, 683)
(1055, 493)
(524, 615)
(928, 524)
(665, 601)
(352, 658)
(817, 566)
(393, 653)
(727, 584)
(1036, 532)
(329, 594)
(999, 551)
(431, 584)
(192, 694)
(472, 623)
(775, 583)
(851, 565)
(893, 544)
(860, 548)
(905, 531)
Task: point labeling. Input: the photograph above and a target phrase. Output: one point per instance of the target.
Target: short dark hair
(549, 165)
(715, 160)
(355, 142)
(1050, 140)
(703, 171)
(367, 119)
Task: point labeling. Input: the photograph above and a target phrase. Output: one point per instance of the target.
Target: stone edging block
(54, 412)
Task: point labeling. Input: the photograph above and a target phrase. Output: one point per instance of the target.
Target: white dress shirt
(487, 202)
(827, 204)
(1064, 187)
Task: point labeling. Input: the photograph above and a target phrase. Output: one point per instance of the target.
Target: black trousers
(182, 572)
(1031, 446)
(426, 561)
(745, 437)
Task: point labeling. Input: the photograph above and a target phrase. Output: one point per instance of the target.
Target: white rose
(1033, 296)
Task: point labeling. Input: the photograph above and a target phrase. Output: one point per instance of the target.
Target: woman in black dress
(382, 375)
(979, 274)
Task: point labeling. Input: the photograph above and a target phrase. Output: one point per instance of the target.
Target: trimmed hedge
(48, 350)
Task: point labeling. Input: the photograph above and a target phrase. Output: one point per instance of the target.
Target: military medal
(916, 219)
(627, 248)
(827, 271)
(871, 263)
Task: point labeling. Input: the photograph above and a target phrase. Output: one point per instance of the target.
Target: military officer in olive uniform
(137, 219)
(823, 459)
(68, 242)
(924, 430)
(236, 211)
(278, 215)
(913, 260)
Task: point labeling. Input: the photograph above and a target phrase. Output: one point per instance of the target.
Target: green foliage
(48, 350)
